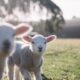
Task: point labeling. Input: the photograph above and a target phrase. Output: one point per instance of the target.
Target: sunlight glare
(35, 13)
(70, 8)
(6, 1)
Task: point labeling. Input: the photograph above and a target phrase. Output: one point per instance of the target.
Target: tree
(52, 23)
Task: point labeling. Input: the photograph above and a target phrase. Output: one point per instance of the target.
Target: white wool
(7, 45)
(28, 58)
(6, 33)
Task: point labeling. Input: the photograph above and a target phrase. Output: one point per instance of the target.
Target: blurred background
(60, 17)
(44, 15)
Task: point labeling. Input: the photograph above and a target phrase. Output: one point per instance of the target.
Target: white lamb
(7, 35)
(29, 57)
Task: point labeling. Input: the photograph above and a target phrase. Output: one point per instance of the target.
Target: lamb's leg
(1, 73)
(11, 72)
(10, 69)
(38, 74)
(25, 74)
(2, 65)
(17, 75)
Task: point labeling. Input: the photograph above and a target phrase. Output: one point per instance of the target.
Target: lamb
(29, 56)
(7, 45)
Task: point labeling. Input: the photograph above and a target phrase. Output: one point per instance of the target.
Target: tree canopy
(52, 12)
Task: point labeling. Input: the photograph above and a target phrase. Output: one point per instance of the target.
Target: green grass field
(62, 60)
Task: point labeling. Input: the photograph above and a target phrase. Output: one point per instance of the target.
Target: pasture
(62, 60)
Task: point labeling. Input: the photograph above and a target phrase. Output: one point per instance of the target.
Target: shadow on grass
(45, 78)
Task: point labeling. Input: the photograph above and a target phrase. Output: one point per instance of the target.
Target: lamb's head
(39, 42)
(7, 35)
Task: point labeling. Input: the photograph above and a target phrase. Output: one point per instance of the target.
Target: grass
(62, 60)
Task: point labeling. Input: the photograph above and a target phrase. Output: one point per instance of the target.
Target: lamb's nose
(40, 49)
(6, 44)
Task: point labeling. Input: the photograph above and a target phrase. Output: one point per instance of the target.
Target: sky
(70, 8)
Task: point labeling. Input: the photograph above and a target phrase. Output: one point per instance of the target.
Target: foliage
(24, 7)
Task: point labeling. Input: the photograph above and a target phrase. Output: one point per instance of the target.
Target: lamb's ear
(22, 29)
(27, 39)
(50, 38)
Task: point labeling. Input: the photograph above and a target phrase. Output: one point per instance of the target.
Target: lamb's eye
(32, 42)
